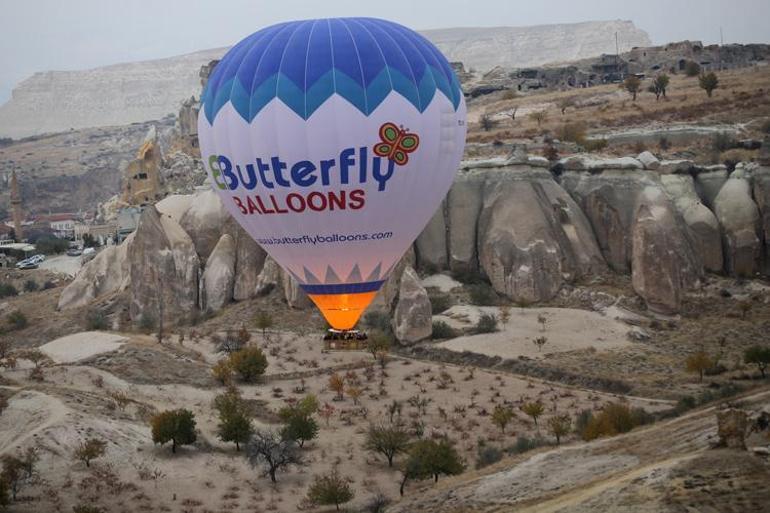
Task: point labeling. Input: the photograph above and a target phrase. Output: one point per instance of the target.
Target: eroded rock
(412, 320)
(219, 276)
(739, 218)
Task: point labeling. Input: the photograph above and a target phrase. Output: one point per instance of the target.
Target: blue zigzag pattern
(303, 63)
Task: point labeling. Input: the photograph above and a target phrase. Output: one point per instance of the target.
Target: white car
(37, 258)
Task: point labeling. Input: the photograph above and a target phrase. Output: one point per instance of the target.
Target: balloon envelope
(333, 142)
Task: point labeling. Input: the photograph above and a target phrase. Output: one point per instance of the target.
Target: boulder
(648, 160)
(609, 201)
(108, 272)
(464, 202)
(532, 236)
(386, 296)
(738, 216)
(708, 183)
(163, 270)
(412, 319)
(732, 425)
(204, 221)
(219, 276)
(665, 263)
(675, 166)
(431, 243)
(700, 220)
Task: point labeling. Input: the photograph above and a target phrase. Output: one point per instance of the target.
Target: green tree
(534, 409)
(429, 458)
(249, 363)
(708, 82)
(387, 440)
(90, 449)
(559, 426)
(175, 426)
(234, 422)
(501, 416)
(330, 489)
(13, 474)
(632, 84)
(298, 426)
(691, 69)
(759, 356)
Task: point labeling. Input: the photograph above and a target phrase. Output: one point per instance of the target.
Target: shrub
(222, 371)
(330, 489)
(439, 303)
(487, 455)
(574, 132)
(723, 141)
(51, 245)
(96, 320)
(524, 444)
(30, 286)
(501, 416)
(591, 145)
(442, 330)
(692, 69)
(429, 458)
(486, 122)
(17, 320)
(708, 82)
(559, 426)
(482, 294)
(249, 363)
(263, 321)
(613, 419)
(7, 290)
(378, 320)
(467, 276)
(698, 363)
(538, 116)
(510, 94)
(87, 508)
(632, 84)
(175, 426)
(487, 324)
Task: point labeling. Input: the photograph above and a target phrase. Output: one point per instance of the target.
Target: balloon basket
(345, 340)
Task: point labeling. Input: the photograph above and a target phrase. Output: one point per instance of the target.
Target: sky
(41, 35)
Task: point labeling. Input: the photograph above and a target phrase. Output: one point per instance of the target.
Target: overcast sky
(40, 35)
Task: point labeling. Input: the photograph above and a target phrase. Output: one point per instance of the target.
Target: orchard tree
(175, 426)
(429, 458)
(249, 363)
(534, 409)
(559, 426)
(387, 440)
(298, 422)
(659, 86)
(698, 362)
(234, 419)
(538, 116)
(90, 449)
(632, 84)
(759, 356)
(337, 384)
(263, 321)
(501, 416)
(329, 489)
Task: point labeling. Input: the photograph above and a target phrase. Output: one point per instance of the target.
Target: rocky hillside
(528, 229)
(54, 101)
(483, 48)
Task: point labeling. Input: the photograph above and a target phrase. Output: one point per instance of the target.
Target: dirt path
(29, 413)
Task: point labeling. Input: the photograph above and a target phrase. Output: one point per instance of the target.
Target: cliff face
(483, 48)
(54, 101)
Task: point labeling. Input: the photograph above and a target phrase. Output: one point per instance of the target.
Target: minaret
(16, 206)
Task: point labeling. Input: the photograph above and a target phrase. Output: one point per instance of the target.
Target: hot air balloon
(332, 142)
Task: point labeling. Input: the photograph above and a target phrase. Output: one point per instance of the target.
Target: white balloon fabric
(333, 142)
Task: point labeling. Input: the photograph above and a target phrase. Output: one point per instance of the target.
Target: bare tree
(267, 448)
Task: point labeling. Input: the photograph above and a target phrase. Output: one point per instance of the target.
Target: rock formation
(664, 262)
(219, 275)
(412, 320)
(141, 176)
(163, 270)
(739, 218)
(532, 235)
(732, 425)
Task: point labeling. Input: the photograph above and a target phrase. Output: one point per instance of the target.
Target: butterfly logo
(396, 143)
